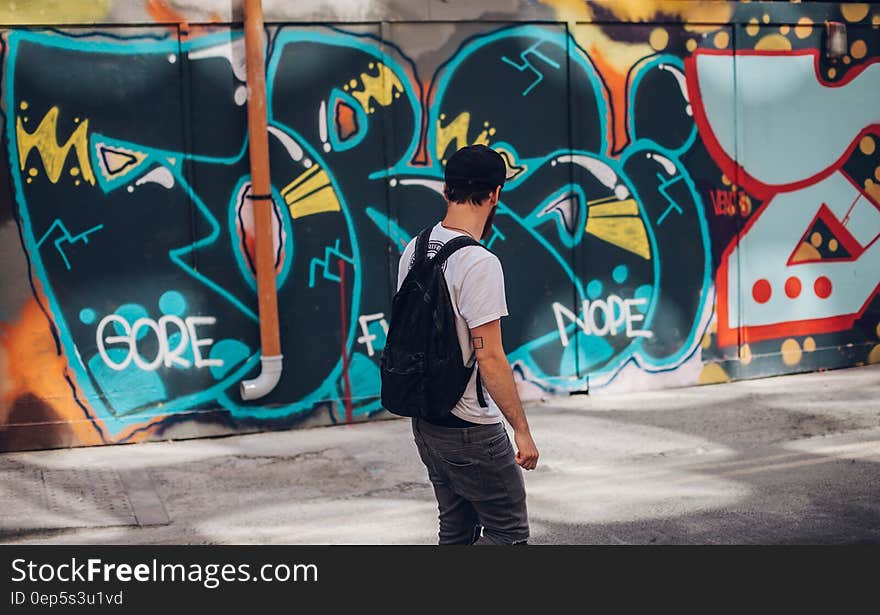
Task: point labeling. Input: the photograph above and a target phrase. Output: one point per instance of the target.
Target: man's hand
(527, 452)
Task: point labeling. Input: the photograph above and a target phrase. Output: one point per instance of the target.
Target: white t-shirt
(476, 286)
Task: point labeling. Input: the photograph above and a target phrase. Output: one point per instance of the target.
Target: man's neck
(470, 220)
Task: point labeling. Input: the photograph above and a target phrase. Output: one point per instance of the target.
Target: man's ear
(496, 196)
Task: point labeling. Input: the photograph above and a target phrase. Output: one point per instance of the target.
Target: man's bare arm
(497, 376)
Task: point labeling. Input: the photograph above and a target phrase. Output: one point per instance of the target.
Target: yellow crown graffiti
(44, 140)
(382, 88)
(457, 131)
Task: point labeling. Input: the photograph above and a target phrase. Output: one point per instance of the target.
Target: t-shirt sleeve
(403, 264)
(482, 299)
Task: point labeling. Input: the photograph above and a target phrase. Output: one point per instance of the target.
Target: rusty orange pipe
(261, 199)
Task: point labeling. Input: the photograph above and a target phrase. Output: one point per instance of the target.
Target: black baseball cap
(475, 167)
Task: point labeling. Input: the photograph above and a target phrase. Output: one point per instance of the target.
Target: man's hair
(463, 194)
(472, 174)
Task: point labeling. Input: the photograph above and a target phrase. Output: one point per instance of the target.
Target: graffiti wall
(693, 197)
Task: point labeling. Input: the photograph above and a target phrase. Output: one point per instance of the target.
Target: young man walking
(471, 463)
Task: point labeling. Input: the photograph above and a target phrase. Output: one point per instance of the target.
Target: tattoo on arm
(477, 343)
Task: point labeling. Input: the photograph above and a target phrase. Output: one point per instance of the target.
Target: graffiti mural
(805, 263)
(788, 282)
(655, 229)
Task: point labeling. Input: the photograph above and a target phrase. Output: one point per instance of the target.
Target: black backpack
(422, 370)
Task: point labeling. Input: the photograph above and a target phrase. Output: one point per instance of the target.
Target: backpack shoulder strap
(453, 245)
(421, 250)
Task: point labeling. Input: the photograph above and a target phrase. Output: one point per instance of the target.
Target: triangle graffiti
(826, 239)
(117, 161)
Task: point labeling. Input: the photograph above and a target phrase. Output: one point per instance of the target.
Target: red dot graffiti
(822, 287)
(761, 291)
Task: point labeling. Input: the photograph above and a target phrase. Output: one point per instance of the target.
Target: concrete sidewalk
(780, 460)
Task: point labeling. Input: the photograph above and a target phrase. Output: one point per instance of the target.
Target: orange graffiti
(162, 13)
(346, 121)
(730, 202)
(35, 369)
(615, 80)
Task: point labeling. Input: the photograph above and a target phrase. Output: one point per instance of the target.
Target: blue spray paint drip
(172, 303)
(87, 316)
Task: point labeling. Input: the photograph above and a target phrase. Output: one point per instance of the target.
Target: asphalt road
(788, 460)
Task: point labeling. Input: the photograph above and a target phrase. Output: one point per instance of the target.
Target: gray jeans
(479, 486)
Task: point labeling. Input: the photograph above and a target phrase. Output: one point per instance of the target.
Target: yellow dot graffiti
(712, 373)
(847, 59)
(804, 27)
(74, 171)
(877, 173)
(816, 239)
(753, 28)
(832, 73)
(691, 44)
(32, 172)
(745, 354)
(809, 344)
(659, 39)
(23, 105)
(867, 145)
(858, 50)
(791, 352)
(875, 20)
(773, 42)
(874, 356)
(765, 18)
(721, 39)
(725, 180)
(856, 11)
(784, 30)
(833, 245)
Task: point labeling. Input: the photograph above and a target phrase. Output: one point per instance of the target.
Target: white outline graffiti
(610, 324)
(167, 356)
